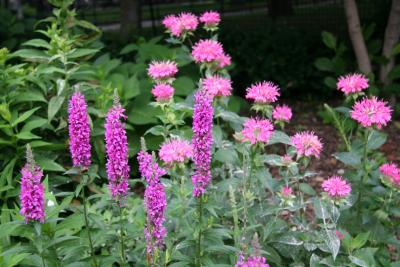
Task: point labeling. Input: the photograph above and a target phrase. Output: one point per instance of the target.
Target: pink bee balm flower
(391, 171)
(336, 186)
(263, 92)
(32, 191)
(282, 113)
(286, 160)
(371, 111)
(79, 131)
(307, 144)
(210, 18)
(175, 151)
(173, 25)
(217, 86)
(286, 191)
(117, 152)
(163, 92)
(224, 60)
(188, 21)
(251, 261)
(352, 83)
(207, 51)
(161, 70)
(257, 130)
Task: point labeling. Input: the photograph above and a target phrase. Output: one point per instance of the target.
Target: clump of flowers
(162, 71)
(282, 113)
(391, 173)
(307, 144)
(257, 130)
(175, 151)
(352, 83)
(211, 19)
(155, 202)
(163, 92)
(217, 86)
(263, 92)
(336, 187)
(251, 261)
(371, 112)
(180, 25)
(210, 51)
(32, 191)
(202, 141)
(117, 151)
(79, 131)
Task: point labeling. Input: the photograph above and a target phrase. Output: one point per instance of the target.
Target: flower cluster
(371, 112)
(263, 92)
(307, 144)
(392, 172)
(211, 19)
(79, 131)
(162, 70)
(282, 113)
(352, 83)
(163, 92)
(117, 152)
(251, 261)
(175, 151)
(202, 141)
(336, 187)
(210, 51)
(217, 86)
(182, 24)
(257, 130)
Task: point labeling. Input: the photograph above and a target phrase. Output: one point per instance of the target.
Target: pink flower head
(352, 83)
(339, 234)
(306, 144)
(32, 193)
(371, 111)
(263, 92)
(251, 261)
(257, 130)
(217, 86)
(188, 21)
(210, 18)
(202, 141)
(163, 92)
(162, 70)
(175, 151)
(173, 25)
(282, 113)
(207, 51)
(286, 160)
(336, 187)
(286, 191)
(176, 25)
(79, 131)
(117, 152)
(391, 171)
(224, 60)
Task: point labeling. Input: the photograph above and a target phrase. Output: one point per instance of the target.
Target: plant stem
(198, 256)
(85, 215)
(365, 169)
(121, 229)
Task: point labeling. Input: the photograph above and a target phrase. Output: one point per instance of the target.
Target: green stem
(85, 215)
(364, 179)
(43, 262)
(121, 229)
(198, 254)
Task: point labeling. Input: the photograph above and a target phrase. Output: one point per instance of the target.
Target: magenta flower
(251, 261)
(175, 151)
(32, 191)
(307, 144)
(210, 19)
(155, 202)
(163, 92)
(282, 113)
(392, 172)
(352, 83)
(188, 21)
(202, 141)
(257, 130)
(263, 92)
(286, 160)
(336, 187)
(117, 152)
(79, 131)
(371, 112)
(162, 70)
(217, 86)
(286, 191)
(224, 60)
(173, 25)
(177, 25)
(207, 51)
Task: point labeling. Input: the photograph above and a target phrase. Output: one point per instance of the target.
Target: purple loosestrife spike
(32, 191)
(117, 152)
(155, 202)
(202, 141)
(79, 131)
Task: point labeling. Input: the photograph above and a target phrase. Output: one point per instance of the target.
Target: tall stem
(121, 229)
(365, 169)
(198, 254)
(85, 215)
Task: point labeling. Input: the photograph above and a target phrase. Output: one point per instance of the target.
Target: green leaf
(307, 189)
(227, 155)
(30, 96)
(396, 50)
(329, 39)
(333, 242)
(376, 139)
(27, 136)
(24, 116)
(394, 73)
(184, 86)
(55, 104)
(33, 124)
(128, 48)
(330, 82)
(131, 88)
(359, 241)
(324, 64)
(155, 130)
(7, 173)
(349, 158)
(279, 137)
(82, 52)
(31, 55)
(37, 43)
(49, 165)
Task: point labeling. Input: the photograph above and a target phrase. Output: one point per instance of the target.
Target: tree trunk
(130, 17)
(356, 37)
(392, 34)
